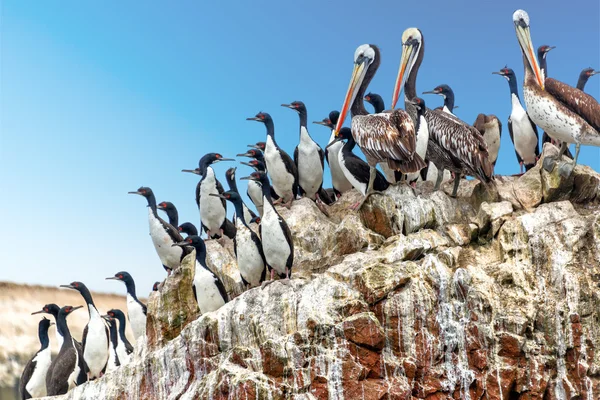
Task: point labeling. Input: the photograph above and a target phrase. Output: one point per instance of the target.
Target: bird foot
(265, 284)
(288, 204)
(548, 164)
(285, 281)
(278, 201)
(566, 169)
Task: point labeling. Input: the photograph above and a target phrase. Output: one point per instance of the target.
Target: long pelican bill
(524, 38)
(408, 53)
(358, 75)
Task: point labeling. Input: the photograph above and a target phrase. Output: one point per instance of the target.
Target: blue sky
(99, 98)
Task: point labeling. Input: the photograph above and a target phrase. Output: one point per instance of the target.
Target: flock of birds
(417, 143)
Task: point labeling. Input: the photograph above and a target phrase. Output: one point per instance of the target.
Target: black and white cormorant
(188, 228)
(208, 289)
(585, 74)
(542, 51)
(247, 246)
(155, 286)
(95, 339)
(136, 310)
(254, 190)
(448, 94)
(567, 114)
(276, 237)
(338, 179)
(422, 132)
(279, 164)
(213, 211)
(230, 177)
(33, 378)
(308, 157)
(376, 101)
(490, 128)
(453, 144)
(521, 128)
(113, 359)
(66, 366)
(124, 348)
(258, 146)
(162, 233)
(383, 138)
(355, 169)
(53, 310)
(171, 211)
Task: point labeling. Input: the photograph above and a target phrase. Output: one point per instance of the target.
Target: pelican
(385, 137)
(565, 113)
(453, 144)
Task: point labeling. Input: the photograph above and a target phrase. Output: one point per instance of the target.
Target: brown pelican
(565, 113)
(453, 144)
(385, 137)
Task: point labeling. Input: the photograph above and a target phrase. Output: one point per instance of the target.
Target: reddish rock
(478, 360)
(364, 329)
(370, 389)
(509, 346)
(273, 363)
(352, 370)
(369, 359)
(410, 369)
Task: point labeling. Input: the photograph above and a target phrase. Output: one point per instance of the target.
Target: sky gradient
(100, 98)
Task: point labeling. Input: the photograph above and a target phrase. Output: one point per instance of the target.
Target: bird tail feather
(407, 167)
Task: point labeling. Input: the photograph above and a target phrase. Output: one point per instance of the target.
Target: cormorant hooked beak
(325, 122)
(69, 286)
(223, 159)
(218, 195)
(247, 178)
(432, 92)
(113, 278)
(337, 139)
(243, 155)
(248, 164)
(38, 312)
(253, 119)
(181, 244)
(193, 171)
(76, 308)
(136, 192)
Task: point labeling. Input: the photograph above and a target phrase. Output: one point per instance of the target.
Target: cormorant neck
(543, 65)
(87, 296)
(349, 145)
(303, 118)
(231, 183)
(583, 78)
(173, 217)
(512, 84)
(152, 203)
(63, 329)
(378, 104)
(122, 327)
(270, 127)
(43, 335)
(266, 189)
(130, 286)
(239, 211)
(201, 257)
(449, 100)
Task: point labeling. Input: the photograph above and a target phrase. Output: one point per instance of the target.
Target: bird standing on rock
(279, 164)
(246, 245)
(276, 237)
(213, 211)
(162, 233)
(33, 379)
(65, 368)
(124, 348)
(136, 310)
(95, 338)
(208, 289)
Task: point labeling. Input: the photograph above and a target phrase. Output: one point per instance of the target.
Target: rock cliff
(493, 295)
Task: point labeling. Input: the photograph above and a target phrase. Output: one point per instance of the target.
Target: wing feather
(575, 100)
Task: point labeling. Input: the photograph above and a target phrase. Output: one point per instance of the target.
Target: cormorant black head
(44, 325)
(230, 173)
(442, 90)
(66, 310)
(376, 101)
(252, 153)
(229, 195)
(257, 176)
(506, 72)
(296, 105)
(259, 146)
(261, 117)
(122, 276)
(166, 206)
(343, 134)
(587, 72)
(50, 308)
(194, 241)
(256, 220)
(117, 314)
(543, 50)
(155, 286)
(79, 286)
(331, 121)
(257, 165)
(143, 191)
(211, 158)
(419, 104)
(188, 228)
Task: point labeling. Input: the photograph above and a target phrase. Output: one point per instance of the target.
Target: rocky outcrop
(493, 295)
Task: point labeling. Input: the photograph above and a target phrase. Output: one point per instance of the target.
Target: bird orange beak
(358, 75)
(524, 38)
